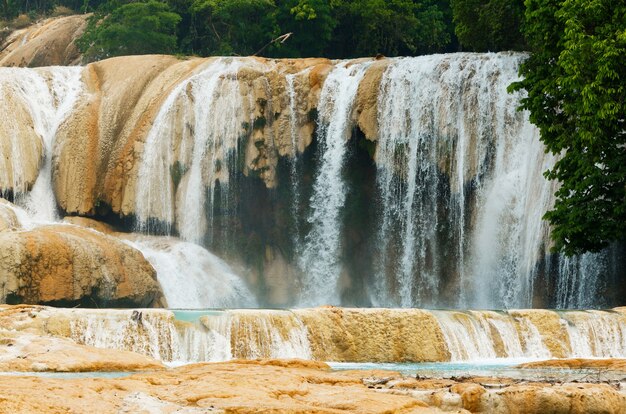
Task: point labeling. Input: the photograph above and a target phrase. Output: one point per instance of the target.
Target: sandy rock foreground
(233, 387)
(293, 386)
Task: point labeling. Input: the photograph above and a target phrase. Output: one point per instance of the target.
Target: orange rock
(69, 264)
(230, 387)
(50, 42)
(27, 352)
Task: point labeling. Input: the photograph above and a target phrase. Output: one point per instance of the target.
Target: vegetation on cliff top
(330, 28)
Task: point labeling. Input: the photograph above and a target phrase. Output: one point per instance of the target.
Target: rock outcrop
(8, 216)
(51, 42)
(28, 352)
(609, 364)
(64, 264)
(494, 396)
(21, 148)
(338, 334)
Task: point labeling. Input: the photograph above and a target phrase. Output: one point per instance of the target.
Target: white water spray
(320, 259)
(48, 95)
(203, 116)
(193, 278)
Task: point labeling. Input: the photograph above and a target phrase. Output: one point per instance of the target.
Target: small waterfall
(193, 278)
(149, 332)
(192, 144)
(580, 280)
(466, 339)
(476, 335)
(320, 259)
(48, 95)
(220, 336)
(294, 125)
(599, 334)
(408, 180)
(358, 335)
(262, 333)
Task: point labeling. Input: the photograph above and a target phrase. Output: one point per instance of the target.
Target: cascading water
(192, 144)
(48, 95)
(192, 277)
(217, 336)
(580, 280)
(448, 131)
(598, 333)
(461, 187)
(320, 259)
(476, 335)
(309, 333)
(261, 334)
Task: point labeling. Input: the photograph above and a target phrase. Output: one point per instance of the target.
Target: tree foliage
(489, 25)
(389, 27)
(575, 80)
(131, 29)
(334, 28)
(311, 22)
(238, 27)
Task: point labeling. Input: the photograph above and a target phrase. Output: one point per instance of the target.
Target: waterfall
(580, 280)
(192, 144)
(48, 96)
(456, 205)
(475, 335)
(262, 333)
(598, 333)
(193, 278)
(218, 336)
(454, 151)
(321, 258)
(366, 335)
(461, 188)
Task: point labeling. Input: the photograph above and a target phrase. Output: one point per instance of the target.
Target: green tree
(489, 25)
(311, 23)
(389, 27)
(240, 27)
(575, 80)
(131, 29)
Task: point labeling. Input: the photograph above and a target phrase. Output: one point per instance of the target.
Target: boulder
(70, 265)
(8, 218)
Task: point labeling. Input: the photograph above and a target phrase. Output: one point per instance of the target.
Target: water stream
(469, 337)
(321, 257)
